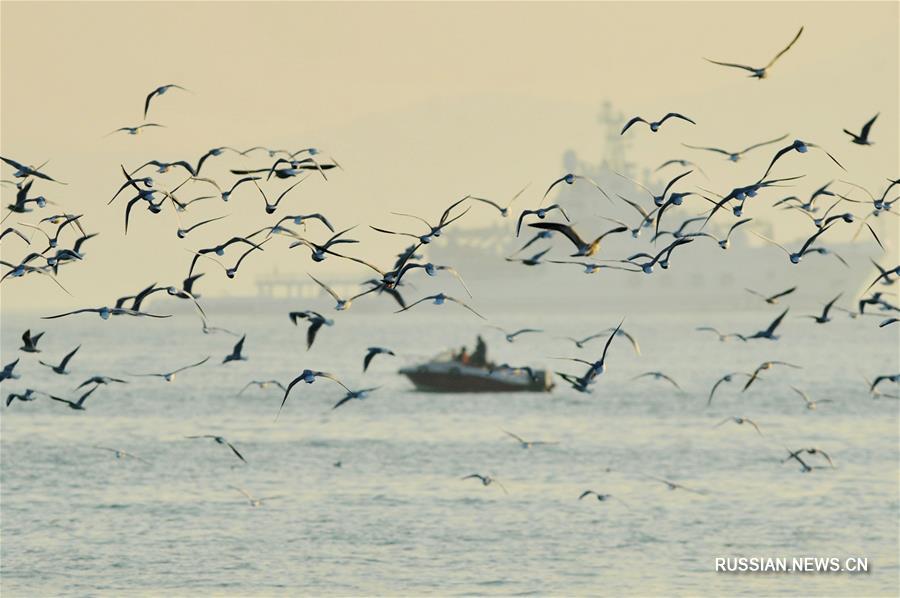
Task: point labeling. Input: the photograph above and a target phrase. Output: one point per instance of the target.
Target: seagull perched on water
(486, 480)
(735, 156)
(759, 73)
(766, 365)
(655, 125)
(170, 376)
(863, 137)
(440, 299)
(61, 368)
(76, 405)
(29, 342)
(221, 440)
(371, 352)
(158, 92)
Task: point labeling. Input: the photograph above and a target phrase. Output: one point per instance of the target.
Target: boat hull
(459, 378)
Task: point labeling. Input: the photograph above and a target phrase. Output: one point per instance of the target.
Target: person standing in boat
(479, 357)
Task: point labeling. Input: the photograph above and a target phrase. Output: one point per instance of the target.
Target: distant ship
(701, 276)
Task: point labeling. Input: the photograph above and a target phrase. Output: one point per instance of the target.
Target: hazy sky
(420, 103)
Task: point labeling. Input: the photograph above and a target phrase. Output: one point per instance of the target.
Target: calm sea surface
(395, 518)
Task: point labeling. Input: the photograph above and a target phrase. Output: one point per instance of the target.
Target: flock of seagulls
(56, 243)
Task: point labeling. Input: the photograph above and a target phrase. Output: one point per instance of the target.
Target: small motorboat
(444, 373)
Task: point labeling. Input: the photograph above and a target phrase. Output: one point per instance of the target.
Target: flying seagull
(810, 404)
(511, 336)
(772, 299)
(158, 92)
(61, 368)
(735, 156)
(601, 497)
(316, 321)
(823, 318)
(655, 125)
(7, 372)
(29, 342)
(504, 210)
(527, 444)
(371, 352)
(76, 405)
(583, 248)
(222, 441)
(262, 384)
(759, 73)
(658, 376)
(440, 299)
(235, 354)
(255, 502)
(342, 304)
(485, 480)
(100, 380)
(740, 421)
(120, 453)
(766, 365)
(170, 376)
(724, 379)
(863, 137)
(308, 376)
(355, 394)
